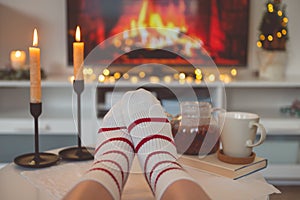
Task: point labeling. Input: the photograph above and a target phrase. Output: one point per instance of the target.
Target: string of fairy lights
(197, 77)
(273, 28)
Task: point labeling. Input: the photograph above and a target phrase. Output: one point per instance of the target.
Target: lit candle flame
(35, 38)
(18, 54)
(77, 34)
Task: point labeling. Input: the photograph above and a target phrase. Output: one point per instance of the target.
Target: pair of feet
(136, 125)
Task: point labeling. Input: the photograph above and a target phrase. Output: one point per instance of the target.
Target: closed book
(212, 164)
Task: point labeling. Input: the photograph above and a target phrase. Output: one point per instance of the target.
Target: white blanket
(57, 180)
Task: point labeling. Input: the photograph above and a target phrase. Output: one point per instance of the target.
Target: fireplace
(199, 29)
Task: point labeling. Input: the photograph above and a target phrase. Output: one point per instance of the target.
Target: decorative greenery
(19, 74)
(273, 28)
(292, 110)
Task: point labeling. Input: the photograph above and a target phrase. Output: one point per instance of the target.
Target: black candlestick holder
(78, 153)
(36, 159)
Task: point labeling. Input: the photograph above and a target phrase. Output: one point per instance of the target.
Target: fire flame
(35, 38)
(77, 34)
(165, 30)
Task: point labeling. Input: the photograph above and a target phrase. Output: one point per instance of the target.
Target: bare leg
(184, 189)
(88, 190)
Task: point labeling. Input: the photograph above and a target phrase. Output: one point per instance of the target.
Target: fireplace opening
(211, 28)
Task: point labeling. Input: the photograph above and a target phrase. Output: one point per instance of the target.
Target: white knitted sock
(151, 134)
(113, 154)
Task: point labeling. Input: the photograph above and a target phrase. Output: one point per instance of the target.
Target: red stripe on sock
(101, 130)
(148, 119)
(114, 162)
(159, 163)
(154, 153)
(161, 173)
(111, 175)
(151, 137)
(121, 153)
(116, 139)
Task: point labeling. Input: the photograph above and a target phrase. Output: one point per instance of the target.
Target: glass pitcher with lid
(196, 131)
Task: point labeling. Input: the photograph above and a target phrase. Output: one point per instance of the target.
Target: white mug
(239, 132)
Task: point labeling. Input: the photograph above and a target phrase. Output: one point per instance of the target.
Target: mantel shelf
(62, 81)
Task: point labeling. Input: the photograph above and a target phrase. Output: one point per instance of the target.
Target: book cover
(212, 164)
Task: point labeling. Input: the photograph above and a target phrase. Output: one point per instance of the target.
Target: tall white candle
(35, 70)
(78, 56)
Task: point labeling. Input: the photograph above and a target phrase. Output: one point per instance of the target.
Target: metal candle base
(78, 153)
(40, 160)
(36, 159)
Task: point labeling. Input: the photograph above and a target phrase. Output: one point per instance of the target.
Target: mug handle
(263, 134)
(219, 111)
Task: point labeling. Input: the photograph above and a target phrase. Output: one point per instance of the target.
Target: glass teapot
(196, 131)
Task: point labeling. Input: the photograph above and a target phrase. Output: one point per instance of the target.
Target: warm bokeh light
(211, 77)
(142, 74)
(181, 81)
(176, 76)
(259, 44)
(284, 32)
(233, 72)
(181, 76)
(262, 37)
(112, 79)
(129, 42)
(198, 71)
(154, 79)
(199, 77)
(189, 79)
(126, 76)
(279, 13)
(167, 79)
(198, 81)
(88, 71)
(134, 79)
(270, 38)
(279, 35)
(101, 78)
(270, 8)
(117, 75)
(106, 72)
(225, 78)
(117, 43)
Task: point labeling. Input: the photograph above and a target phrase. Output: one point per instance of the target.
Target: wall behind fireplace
(19, 17)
